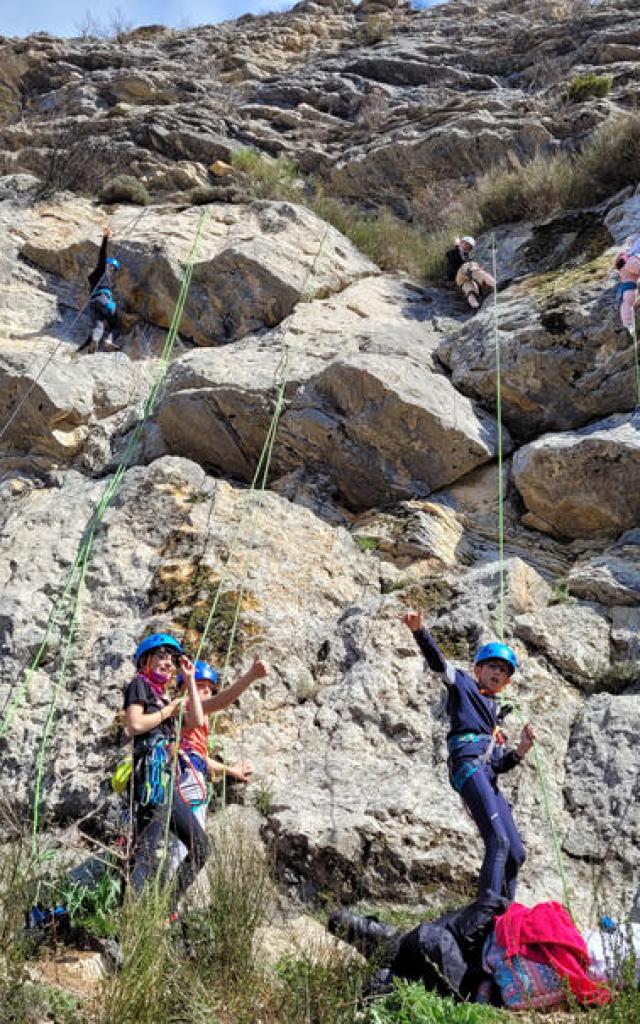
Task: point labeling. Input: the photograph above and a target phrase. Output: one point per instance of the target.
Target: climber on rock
(102, 304)
(150, 719)
(195, 764)
(627, 265)
(477, 754)
(467, 272)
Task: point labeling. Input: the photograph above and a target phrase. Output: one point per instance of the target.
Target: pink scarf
(156, 681)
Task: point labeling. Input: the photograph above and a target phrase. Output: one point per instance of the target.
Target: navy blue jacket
(469, 710)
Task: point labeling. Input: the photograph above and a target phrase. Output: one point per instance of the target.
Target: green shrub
(204, 194)
(367, 543)
(412, 1004)
(584, 87)
(532, 191)
(373, 30)
(125, 189)
(321, 989)
(608, 162)
(267, 177)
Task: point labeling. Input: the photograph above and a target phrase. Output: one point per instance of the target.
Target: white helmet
(468, 240)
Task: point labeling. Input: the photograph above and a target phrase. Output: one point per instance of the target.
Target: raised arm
(227, 696)
(96, 275)
(193, 714)
(428, 647)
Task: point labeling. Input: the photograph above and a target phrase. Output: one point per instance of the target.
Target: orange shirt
(196, 740)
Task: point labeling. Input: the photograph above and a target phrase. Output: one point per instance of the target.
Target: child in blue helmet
(150, 718)
(102, 304)
(196, 765)
(476, 752)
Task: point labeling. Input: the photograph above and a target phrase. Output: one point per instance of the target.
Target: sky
(66, 17)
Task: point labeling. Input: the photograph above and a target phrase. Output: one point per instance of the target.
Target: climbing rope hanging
(77, 573)
(502, 590)
(258, 483)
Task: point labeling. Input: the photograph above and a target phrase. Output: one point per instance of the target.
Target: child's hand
(413, 620)
(259, 669)
(174, 706)
(527, 739)
(242, 771)
(188, 669)
(106, 232)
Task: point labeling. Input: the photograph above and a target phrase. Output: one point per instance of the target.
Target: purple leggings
(504, 852)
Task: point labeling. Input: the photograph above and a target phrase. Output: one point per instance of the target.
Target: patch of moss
(554, 284)
(184, 590)
(432, 597)
(455, 647)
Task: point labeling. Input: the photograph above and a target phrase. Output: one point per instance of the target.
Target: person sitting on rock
(467, 272)
(477, 755)
(102, 304)
(627, 265)
(195, 764)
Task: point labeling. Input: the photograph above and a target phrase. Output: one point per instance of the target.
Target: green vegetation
(585, 87)
(269, 177)
(323, 989)
(560, 594)
(93, 908)
(367, 543)
(124, 188)
(373, 30)
(412, 1004)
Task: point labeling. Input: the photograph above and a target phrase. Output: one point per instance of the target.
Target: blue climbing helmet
(203, 672)
(152, 642)
(498, 651)
(112, 262)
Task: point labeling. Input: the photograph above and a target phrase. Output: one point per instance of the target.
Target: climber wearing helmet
(195, 763)
(102, 304)
(476, 752)
(467, 272)
(150, 718)
(627, 265)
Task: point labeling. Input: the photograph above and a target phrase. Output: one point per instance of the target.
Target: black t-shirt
(139, 692)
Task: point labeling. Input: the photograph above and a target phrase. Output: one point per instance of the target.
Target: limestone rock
(379, 424)
(612, 578)
(252, 266)
(582, 483)
(574, 638)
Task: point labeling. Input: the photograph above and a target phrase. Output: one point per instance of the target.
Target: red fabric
(547, 935)
(196, 739)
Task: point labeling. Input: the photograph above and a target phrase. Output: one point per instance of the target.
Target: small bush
(241, 898)
(531, 192)
(412, 1004)
(125, 189)
(324, 988)
(609, 161)
(373, 30)
(584, 87)
(367, 543)
(267, 178)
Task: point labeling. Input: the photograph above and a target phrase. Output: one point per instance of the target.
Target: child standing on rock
(476, 755)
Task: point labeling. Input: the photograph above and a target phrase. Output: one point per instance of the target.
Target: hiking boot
(367, 934)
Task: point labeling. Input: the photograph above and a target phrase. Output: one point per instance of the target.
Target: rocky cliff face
(382, 491)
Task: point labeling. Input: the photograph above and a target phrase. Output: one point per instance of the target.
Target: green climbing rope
(80, 566)
(260, 474)
(502, 591)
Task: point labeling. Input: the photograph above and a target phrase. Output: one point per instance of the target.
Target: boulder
(582, 483)
(252, 265)
(613, 577)
(574, 637)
